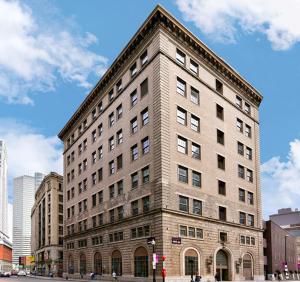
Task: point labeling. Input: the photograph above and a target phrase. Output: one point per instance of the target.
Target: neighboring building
(5, 253)
(3, 189)
(167, 146)
(47, 226)
(290, 221)
(24, 189)
(280, 249)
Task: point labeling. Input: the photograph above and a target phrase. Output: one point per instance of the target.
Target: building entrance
(222, 266)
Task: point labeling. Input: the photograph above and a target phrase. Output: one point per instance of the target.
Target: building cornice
(160, 18)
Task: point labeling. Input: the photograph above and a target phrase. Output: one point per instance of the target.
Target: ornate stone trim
(160, 18)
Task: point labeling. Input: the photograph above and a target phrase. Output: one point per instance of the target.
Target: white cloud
(281, 181)
(35, 54)
(29, 151)
(278, 20)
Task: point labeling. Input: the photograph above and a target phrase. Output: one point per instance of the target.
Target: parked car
(21, 273)
(7, 274)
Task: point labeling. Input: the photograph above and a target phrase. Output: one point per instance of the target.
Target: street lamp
(153, 259)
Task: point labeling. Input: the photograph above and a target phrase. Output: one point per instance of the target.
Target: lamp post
(153, 260)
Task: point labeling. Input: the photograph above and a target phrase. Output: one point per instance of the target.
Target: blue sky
(66, 46)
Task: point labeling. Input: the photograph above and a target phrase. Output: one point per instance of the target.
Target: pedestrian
(92, 275)
(114, 275)
(217, 277)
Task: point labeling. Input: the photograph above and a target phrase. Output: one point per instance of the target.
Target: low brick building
(280, 246)
(5, 253)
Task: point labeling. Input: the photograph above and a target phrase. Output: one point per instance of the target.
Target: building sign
(176, 240)
(150, 239)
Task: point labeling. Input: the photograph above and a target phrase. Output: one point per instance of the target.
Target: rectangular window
(182, 145)
(219, 86)
(134, 125)
(112, 216)
(111, 191)
(250, 198)
(80, 149)
(223, 237)
(134, 180)
(134, 152)
(239, 102)
(94, 178)
(221, 162)
(194, 67)
(144, 88)
(249, 153)
(252, 241)
(145, 145)
(111, 119)
(195, 123)
(100, 107)
(146, 204)
(194, 96)
(241, 171)
(120, 161)
(135, 207)
(242, 194)
(100, 174)
(145, 116)
(120, 186)
(133, 70)
(240, 148)
(100, 197)
(119, 111)
(192, 232)
(133, 98)
(181, 116)
(220, 112)
(146, 175)
(199, 233)
(182, 174)
(197, 207)
(111, 167)
(119, 137)
(196, 151)
(120, 213)
(111, 143)
(249, 175)
(111, 95)
(180, 57)
(181, 86)
(144, 58)
(248, 130)
(196, 179)
(100, 129)
(242, 218)
(222, 213)
(247, 108)
(243, 240)
(250, 220)
(94, 157)
(100, 152)
(239, 125)
(119, 86)
(183, 231)
(183, 203)
(222, 187)
(220, 137)
(94, 200)
(94, 114)
(100, 219)
(84, 144)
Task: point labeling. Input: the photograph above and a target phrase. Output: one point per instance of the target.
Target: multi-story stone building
(280, 251)
(24, 189)
(166, 145)
(47, 226)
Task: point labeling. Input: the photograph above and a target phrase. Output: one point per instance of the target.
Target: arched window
(116, 263)
(141, 262)
(191, 262)
(97, 264)
(70, 265)
(82, 262)
(222, 265)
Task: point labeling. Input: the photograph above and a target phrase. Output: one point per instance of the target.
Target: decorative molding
(160, 18)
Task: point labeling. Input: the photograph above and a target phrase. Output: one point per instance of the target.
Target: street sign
(150, 239)
(176, 240)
